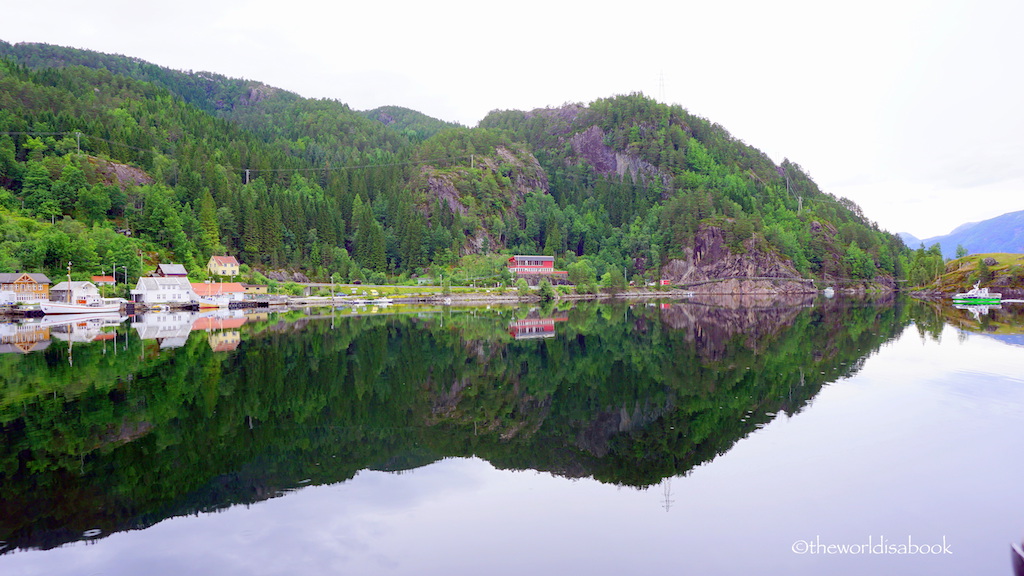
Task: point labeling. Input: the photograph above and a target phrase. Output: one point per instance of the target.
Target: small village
(33, 293)
(168, 287)
(166, 307)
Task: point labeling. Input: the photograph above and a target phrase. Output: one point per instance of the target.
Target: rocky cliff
(590, 147)
(710, 267)
(492, 186)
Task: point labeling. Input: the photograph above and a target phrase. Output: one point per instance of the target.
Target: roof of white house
(172, 269)
(544, 258)
(153, 283)
(76, 286)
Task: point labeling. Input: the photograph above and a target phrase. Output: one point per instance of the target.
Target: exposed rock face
(524, 172)
(286, 276)
(560, 120)
(526, 175)
(120, 174)
(256, 94)
(442, 186)
(589, 145)
(711, 268)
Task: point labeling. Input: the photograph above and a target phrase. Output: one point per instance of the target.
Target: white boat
(206, 303)
(80, 303)
(977, 295)
(101, 307)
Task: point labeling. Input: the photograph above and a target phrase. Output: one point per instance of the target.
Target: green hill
(230, 165)
(999, 272)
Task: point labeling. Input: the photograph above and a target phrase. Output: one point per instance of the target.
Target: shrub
(547, 292)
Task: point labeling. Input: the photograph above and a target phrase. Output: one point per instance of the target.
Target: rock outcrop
(711, 268)
(121, 175)
(286, 276)
(589, 145)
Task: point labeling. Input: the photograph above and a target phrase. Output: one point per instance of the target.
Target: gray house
(79, 292)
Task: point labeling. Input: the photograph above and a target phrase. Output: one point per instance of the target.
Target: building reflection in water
(535, 327)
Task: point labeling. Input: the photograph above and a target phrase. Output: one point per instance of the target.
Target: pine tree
(209, 233)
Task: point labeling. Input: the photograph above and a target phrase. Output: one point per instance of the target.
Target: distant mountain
(909, 239)
(1000, 234)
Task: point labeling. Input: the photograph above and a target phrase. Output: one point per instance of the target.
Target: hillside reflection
(142, 431)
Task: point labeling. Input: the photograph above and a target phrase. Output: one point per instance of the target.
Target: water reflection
(255, 407)
(23, 337)
(533, 326)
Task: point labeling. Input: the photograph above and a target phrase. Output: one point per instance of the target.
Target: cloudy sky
(909, 108)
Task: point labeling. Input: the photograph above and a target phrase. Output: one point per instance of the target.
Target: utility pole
(667, 501)
(799, 199)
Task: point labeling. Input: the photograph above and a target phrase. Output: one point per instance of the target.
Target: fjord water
(717, 437)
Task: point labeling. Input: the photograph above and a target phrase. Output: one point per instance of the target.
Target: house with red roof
(219, 292)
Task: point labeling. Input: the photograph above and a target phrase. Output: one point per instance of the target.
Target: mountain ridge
(1003, 233)
(621, 183)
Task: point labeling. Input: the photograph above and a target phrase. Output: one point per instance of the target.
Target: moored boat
(101, 307)
(977, 295)
(77, 302)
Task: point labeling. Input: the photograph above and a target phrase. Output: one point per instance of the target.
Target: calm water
(724, 437)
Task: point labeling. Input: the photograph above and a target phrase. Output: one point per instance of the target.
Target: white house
(80, 292)
(171, 330)
(163, 290)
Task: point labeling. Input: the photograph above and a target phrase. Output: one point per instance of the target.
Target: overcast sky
(909, 108)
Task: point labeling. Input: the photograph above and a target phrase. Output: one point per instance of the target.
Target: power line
(246, 171)
(330, 169)
(76, 134)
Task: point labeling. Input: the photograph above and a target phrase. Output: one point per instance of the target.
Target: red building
(534, 265)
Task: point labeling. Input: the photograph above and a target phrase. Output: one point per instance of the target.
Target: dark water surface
(720, 437)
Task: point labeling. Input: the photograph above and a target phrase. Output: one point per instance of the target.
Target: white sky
(909, 108)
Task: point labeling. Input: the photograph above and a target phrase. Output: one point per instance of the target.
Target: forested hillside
(192, 164)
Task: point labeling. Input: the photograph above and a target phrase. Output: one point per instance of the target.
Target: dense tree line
(286, 182)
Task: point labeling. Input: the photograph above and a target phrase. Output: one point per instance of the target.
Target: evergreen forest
(106, 160)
